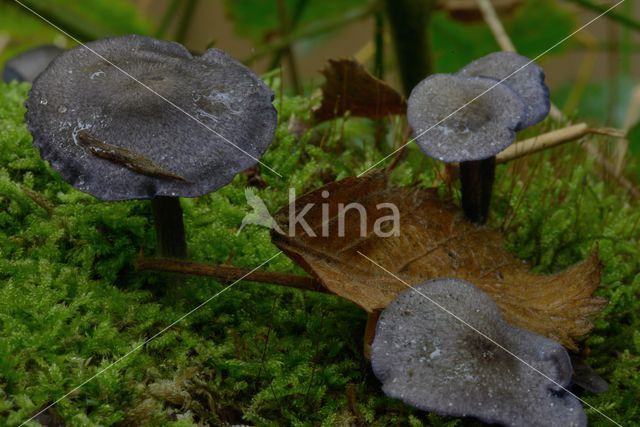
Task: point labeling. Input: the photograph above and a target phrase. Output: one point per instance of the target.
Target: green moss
(71, 302)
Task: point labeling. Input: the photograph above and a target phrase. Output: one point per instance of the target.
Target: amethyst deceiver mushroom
(430, 359)
(171, 125)
(27, 65)
(520, 74)
(476, 132)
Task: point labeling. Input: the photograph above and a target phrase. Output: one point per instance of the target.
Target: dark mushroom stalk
(476, 187)
(527, 80)
(520, 101)
(428, 352)
(167, 212)
(169, 225)
(172, 126)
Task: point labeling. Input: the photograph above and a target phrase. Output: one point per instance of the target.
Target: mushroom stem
(167, 214)
(476, 179)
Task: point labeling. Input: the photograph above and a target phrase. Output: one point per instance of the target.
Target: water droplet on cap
(97, 74)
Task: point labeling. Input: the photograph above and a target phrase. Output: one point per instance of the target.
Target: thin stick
(491, 18)
(228, 273)
(616, 133)
(542, 142)
(551, 139)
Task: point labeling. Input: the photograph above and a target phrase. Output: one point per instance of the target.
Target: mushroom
(428, 352)
(26, 66)
(520, 74)
(487, 101)
(137, 118)
(472, 135)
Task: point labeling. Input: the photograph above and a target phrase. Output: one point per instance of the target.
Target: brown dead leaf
(350, 87)
(434, 241)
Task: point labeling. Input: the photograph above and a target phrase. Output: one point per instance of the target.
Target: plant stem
(310, 30)
(476, 179)
(285, 30)
(409, 24)
(378, 71)
(187, 14)
(495, 25)
(295, 19)
(229, 273)
(378, 36)
(167, 17)
(170, 238)
(613, 15)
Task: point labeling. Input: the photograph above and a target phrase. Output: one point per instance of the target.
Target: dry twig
(227, 273)
(552, 139)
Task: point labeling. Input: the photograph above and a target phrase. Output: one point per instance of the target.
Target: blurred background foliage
(591, 74)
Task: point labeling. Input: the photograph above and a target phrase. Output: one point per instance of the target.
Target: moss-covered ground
(71, 302)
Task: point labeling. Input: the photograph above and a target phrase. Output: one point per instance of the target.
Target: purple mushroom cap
(428, 358)
(221, 121)
(520, 74)
(484, 126)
